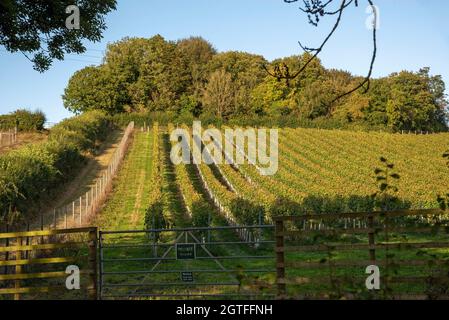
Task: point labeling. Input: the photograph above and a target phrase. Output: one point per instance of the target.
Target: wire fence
(78, 212)
(8, 138)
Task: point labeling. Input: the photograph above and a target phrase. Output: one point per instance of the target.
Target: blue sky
(413, 34)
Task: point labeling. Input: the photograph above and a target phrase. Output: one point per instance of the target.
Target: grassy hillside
(319, 170)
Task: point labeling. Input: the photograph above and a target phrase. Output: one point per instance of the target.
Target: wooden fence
(78, 212)
(35, 262)
(410, 248)
(8, 138)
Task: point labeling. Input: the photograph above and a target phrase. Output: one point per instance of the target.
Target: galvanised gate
(232, 262)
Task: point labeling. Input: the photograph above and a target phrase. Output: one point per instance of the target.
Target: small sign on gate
(185, 251)
(187, 276)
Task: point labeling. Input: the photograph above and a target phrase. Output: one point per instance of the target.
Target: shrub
(149, 118)
(246, 212)
(24, 120)
(30, 173)
(82, 131)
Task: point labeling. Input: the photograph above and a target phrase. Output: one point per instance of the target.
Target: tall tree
(411, 105)
(197, 52)
(246, 71)
(91, 88)
(219, 94)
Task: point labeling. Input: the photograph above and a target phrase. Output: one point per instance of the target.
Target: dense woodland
(189, 78)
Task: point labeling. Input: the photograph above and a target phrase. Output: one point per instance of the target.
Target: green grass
(126, 207)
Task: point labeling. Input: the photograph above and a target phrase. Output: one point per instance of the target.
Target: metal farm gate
(190, 263)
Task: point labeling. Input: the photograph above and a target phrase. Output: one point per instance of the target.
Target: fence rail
(326, 263)
(393, 241)
(183, 263)
(28, 255)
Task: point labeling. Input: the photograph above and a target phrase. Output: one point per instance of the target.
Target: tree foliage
(189, 78)
(38, 30)
(23, 120)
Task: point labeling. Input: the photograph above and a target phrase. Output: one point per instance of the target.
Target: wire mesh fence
(78, 212)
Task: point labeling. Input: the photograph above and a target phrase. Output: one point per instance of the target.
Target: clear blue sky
(413, 34)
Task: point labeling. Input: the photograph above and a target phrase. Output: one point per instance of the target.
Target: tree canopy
(189, 77)
(38, 28)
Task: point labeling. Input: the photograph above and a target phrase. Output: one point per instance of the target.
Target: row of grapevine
(242, 184)
(229, 160)
(155, 218)
(352, 157)
(198, 209)
(226, 201)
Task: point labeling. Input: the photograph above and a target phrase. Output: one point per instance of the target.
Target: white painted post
(81, 214)
(73, 211)
(87, 204)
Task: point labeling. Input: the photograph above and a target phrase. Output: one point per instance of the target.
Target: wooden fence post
(371, 235)
(7, 245)
(81, 214)
(65, 217)
(93, 289)
(280, 259)
(18, 269)
(92, 200)
(86, 212)
(27, 253)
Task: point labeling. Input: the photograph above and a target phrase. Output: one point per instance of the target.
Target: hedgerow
(24, 120)
(281, 121)
(29, 174)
